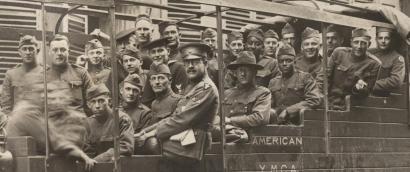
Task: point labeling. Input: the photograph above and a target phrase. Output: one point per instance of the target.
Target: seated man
(293, 91)
(352, 71)
(102, 125)
(392, 72)
(67, 127)
(247, 104)
(163, 106)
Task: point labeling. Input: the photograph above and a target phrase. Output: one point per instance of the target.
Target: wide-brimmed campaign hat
(245, 58)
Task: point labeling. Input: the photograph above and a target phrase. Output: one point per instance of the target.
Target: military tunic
(163, 106)
(248, 107)
(391, 74)
(315, 69)
(100, 77)
(14, 82)
(196, 110)
(270, 70)
(79, 81)
(294, 93)
(140, 114)
(101, 138)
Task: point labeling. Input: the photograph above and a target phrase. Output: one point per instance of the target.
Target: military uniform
(100, 77)
(315, 69)
(294, 93)
(140, 114)
(344, 71)
(79, 81)
(14, 82)
(270, 70)
(391, 74)
(101, 138)
(164, 105)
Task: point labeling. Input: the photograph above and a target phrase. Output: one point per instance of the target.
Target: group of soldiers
(169, 97)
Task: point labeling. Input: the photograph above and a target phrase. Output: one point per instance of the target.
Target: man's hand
(282, 116)
(140, 139)
(360, 84)
(88, 162)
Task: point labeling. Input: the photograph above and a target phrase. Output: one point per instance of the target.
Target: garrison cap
(162, 42)
(159, 69)
(58, 37)
(245, 58)
(234, 35)
(194, 51)
(287, 29)
(124, 34)
(134, 79)
(93, 44)
(257, 33)
(271, 34)
(130, 52)
(310, 33)
(384, 29)
(334, 28)
(208, 33)
(360, 32)
(286, 49)
(165, 24)
(97, 90)
(28, 40)
(143, 17)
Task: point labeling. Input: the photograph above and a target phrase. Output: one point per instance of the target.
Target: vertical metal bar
(221, 82)
(43, 46)
(325, 88)
(115, 89)
(407, 79)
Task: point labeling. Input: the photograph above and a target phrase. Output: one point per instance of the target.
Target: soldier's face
(236, 47)
(383, 40)
(81, 60)
(28, 53)
(159, 83)
(270, 45)
(99, 105)
(143, 31)
(96, 56)
(333, 41)
(131, 64)
(245, 75)
(159, 55)
(171, 32)
(289, 38)
(254, 45)
(59, 52)
(310, 47)
(359, 46)
(211, 42)
(195, 68)
(286, 63)
(130, 93)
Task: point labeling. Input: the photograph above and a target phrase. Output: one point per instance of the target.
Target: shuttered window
(187, 35)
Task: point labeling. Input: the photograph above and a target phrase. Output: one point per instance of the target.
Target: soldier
(254, 43)
(289, 35)
(208, 37)
(170, 30)
(143, 32)
(163, 106)
(67, 127)
(309, 60)
(101, 125)
(126, 39)
(247, 105)
(25, 73)
(293, 91)
(76, 76)
(160, 55)
(194, 114)
(235, 45)
(392, 72)
(95, 53)
(82, 61)
(132, 63)
(352, 71)
(268, 61)
(334, 39)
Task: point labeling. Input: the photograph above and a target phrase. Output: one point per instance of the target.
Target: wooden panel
(260, 162)
(313, 128)
(22, 146)
(354, 129)
(313, 145)
(366, 114)
(393, 101)
(276, 130)
(317, 114)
